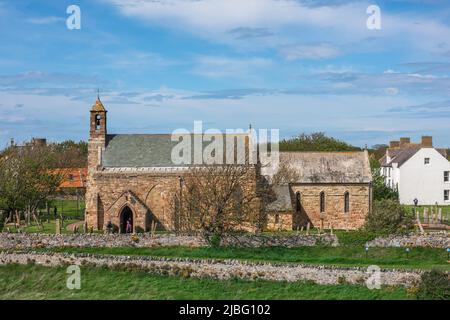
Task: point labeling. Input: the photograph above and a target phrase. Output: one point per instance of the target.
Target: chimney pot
(394, 144)
(427, 141)
(405, 141)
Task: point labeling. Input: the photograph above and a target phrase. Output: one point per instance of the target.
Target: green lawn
(37, 282)
(68, 208)
(49, 227)
(445, 211)
(423, 258)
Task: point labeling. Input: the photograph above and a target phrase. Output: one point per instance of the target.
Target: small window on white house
(446, 195)
(427, 161)
(446, 176)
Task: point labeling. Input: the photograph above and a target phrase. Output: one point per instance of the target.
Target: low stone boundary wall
(437, 240)
(30, 241)
(218, 269)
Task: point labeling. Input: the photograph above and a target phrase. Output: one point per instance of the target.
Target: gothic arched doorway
(126, 216)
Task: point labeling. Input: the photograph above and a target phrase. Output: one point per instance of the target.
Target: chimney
(404, 141)
(427, 141)
(394, 144)
(39, 142)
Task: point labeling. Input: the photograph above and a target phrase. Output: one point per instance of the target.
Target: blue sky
(298, 66)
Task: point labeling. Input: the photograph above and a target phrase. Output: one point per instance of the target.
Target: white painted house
(418, 171)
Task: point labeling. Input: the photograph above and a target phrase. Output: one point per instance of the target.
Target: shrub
(2, 220)
(435, 285)
(388, 216)
(355, 238)
(215, 240)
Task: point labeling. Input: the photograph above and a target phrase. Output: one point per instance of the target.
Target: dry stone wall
(434, 240)
(29, 241)
(219, 269)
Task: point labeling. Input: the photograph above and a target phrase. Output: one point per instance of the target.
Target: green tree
(315, 142)
(388, 216)
(27, 181)
(380, 190)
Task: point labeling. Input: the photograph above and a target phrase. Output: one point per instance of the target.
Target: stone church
(131, 177)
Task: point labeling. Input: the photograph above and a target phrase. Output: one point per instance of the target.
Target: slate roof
(143, 150)
(328, 167)
(283, 200)
(401, 155)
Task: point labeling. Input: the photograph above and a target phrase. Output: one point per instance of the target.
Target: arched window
(346, 202)
(97, 122)
(298, 204)
(322, 201)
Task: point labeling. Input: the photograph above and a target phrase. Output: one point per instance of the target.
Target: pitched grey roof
(283, 200)
(142, 150)
(328, 167)
(401, 155)
(404, 155)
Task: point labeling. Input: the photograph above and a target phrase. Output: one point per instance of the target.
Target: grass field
(48, 227)
(423, 258)
(68, 208)
(37, 282)
(445, 211)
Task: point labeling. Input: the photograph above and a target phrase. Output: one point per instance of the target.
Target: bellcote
(98, 127)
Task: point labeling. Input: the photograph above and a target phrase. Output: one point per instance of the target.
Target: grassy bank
(36, 282)
(423, 258)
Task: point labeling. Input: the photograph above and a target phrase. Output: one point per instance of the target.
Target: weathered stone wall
(147, 195)
(279, 221)
(434, 240)
(334, 214)
(30, 241)
(220, 269)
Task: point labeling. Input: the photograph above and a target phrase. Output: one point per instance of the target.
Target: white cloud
(47, 20)
(391, 91)
(299, 52)
(224, 67)
(289, 22)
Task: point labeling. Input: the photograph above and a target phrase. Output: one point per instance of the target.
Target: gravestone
(58, 226)
(431, 216)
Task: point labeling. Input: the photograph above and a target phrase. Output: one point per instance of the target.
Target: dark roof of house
(283, 200)
(405, 155)
(144, 150)
(328, 167)
(401, 155)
